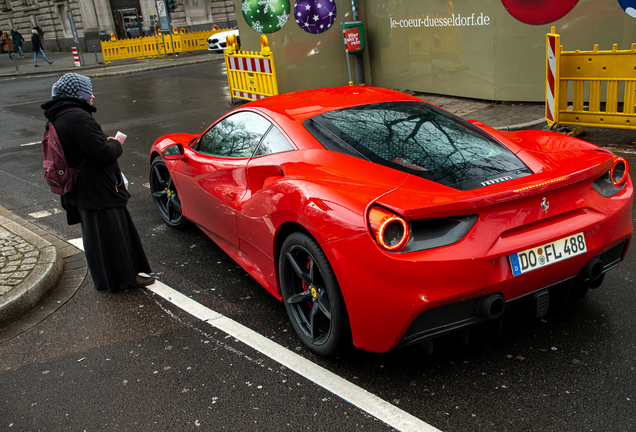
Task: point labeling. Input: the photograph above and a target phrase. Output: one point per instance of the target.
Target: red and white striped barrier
(76, 57)
(552, 81)
(250, 64)
(250, 76)
(245, 95)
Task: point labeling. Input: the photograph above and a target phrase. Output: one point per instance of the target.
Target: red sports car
(382, 220)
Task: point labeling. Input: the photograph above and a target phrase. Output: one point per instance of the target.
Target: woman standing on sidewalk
(98, 200)
(37, 48)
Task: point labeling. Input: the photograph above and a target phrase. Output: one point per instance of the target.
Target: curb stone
(60, 271)
(157, 67)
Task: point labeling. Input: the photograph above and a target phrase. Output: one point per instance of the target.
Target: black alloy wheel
(311, 295)
(165, 195)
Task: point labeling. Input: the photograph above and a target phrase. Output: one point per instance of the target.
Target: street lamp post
(69, 13)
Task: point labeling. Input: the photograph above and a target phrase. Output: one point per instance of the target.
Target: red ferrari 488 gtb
(381, 220)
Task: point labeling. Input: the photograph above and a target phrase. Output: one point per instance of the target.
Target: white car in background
(216, 42)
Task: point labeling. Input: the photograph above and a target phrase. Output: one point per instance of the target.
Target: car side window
(236, 136)
(274, 142)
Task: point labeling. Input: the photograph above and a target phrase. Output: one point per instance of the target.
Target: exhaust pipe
(491, 306)
(593, 269)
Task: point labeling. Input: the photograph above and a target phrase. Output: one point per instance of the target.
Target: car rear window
(420, 139)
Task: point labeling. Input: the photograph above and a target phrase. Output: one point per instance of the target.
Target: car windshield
(420, 139)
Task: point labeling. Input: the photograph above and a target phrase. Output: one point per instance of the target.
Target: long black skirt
(113, 249)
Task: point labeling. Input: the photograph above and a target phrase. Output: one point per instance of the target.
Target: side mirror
(173, 152)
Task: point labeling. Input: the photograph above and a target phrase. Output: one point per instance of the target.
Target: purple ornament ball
(315, 16)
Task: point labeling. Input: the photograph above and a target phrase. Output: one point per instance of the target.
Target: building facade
(486, 49)
(95, 20)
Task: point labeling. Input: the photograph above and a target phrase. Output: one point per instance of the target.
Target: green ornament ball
(266, 16)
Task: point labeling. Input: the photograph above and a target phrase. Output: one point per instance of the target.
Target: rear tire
(312, 297)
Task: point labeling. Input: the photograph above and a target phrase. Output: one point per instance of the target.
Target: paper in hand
(121, 137)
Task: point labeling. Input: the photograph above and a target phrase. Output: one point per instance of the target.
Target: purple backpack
(59, 176)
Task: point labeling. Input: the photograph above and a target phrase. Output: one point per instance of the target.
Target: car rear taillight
(389, 230)
(614, 179)
(619, 171)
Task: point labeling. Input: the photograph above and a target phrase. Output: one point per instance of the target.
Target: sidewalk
(35, 264)
(497, 115)
(94, 67)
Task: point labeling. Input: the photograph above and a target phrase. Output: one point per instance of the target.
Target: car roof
(301, 105)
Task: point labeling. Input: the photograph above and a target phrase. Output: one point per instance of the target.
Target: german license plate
(550, 253)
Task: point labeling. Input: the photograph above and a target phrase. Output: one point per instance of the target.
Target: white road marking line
(357, 396)
(44, 213)
(31, 143)
(40, 214)
(351, 393)
(78, 243)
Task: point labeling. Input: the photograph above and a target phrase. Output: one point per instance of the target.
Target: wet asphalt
(132, 361)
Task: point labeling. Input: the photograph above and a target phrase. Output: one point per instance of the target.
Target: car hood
(223, 35)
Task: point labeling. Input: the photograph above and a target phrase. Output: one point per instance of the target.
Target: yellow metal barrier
(153, 45)
(596, 73)
(250, 75)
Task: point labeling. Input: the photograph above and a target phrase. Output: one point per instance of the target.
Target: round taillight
(389, 230)
(619, 171)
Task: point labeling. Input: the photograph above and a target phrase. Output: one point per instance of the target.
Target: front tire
(165, 196)
(311, 295)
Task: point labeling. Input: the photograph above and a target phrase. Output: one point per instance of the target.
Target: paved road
(132, 361)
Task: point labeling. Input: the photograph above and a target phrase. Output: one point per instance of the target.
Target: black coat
(99, 183)
(35, 42)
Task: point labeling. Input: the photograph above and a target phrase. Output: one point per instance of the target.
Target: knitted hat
(73, 85)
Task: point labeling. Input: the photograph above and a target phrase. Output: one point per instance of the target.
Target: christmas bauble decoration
(629, 6)
(538, 12)
(315, 16)
(266, 16)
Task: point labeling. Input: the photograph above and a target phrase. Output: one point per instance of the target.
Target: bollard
(76, 57)
(16, 63)
(95, 52)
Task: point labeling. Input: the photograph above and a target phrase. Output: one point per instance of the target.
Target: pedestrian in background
(40, 35)
(98, 200)
(37, 48)
(6, 40)
(18, 40)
